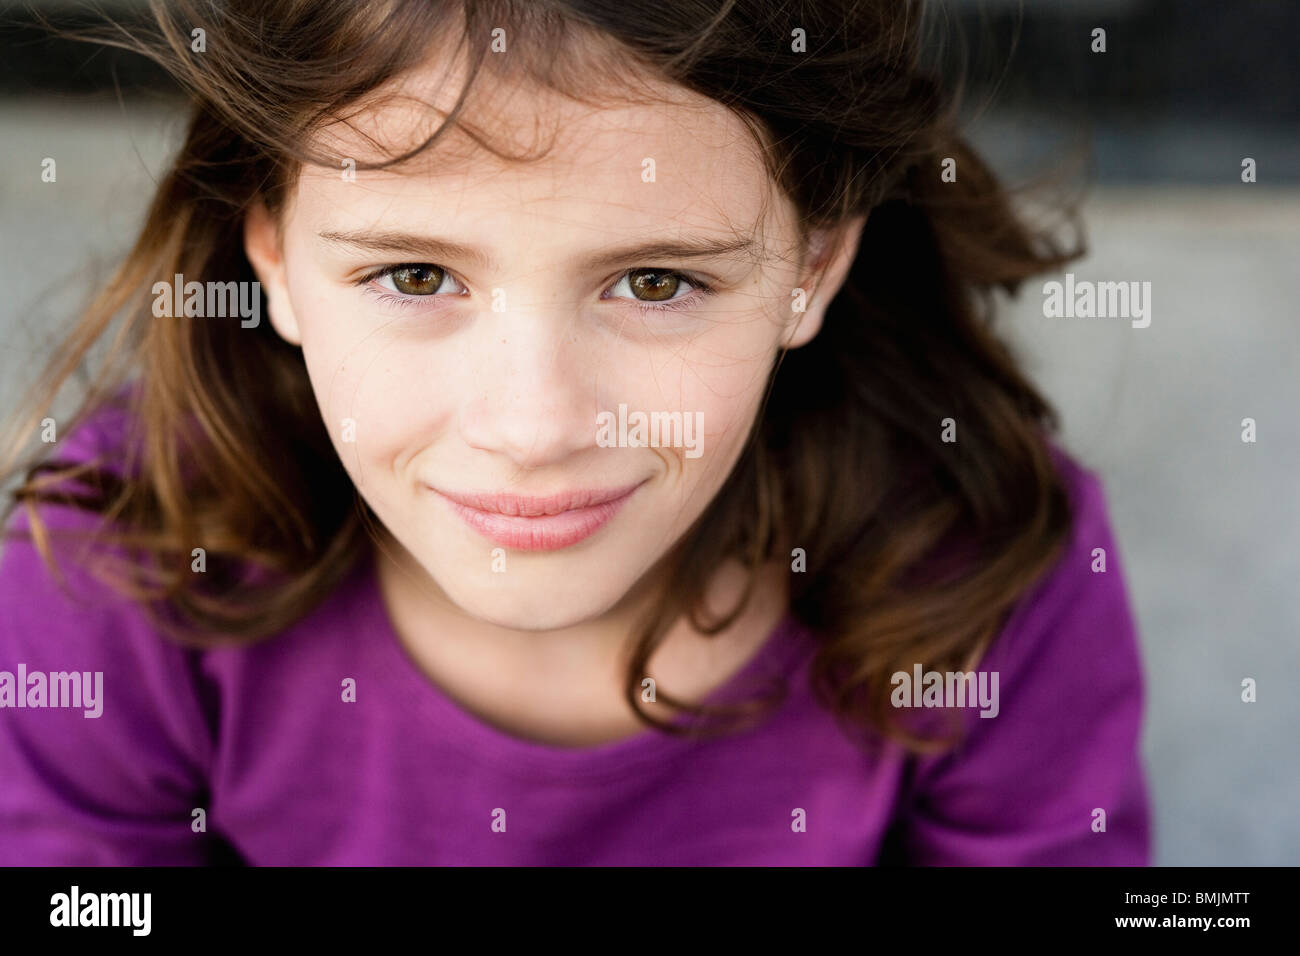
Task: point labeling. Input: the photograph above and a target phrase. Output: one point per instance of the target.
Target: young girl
(543, 434)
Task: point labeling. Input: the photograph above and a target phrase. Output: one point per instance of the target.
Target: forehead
(633, 157)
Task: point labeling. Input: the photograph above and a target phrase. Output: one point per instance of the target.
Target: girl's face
(484, 337)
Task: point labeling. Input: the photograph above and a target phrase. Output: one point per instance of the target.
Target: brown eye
(652, 285)
(417, 280)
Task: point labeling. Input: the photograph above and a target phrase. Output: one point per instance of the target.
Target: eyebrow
(440, 250)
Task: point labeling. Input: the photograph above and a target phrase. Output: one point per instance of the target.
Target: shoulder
(1061, 740)
(1067, 648)
(1066, 658)
(105, 745)
(59, 615)
(101, 437)
(1081, 605)
(1087, 492)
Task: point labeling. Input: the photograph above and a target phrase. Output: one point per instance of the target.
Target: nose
(535, 394)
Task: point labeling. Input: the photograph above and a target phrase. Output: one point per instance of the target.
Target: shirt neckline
(482, 742)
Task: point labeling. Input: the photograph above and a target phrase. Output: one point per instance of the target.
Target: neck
(566, 685)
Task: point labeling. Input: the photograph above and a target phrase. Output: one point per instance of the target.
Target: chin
(532, 606)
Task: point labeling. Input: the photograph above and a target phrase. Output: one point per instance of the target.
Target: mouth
(538, 523)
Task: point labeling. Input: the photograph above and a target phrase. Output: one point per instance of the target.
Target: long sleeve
(1030, 785)
(113, 781)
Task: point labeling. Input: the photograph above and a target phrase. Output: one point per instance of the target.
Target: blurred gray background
(1209, 526)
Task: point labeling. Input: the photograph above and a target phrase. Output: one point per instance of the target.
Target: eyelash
(700, 289)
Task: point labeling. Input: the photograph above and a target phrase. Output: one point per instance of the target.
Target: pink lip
(539, 523)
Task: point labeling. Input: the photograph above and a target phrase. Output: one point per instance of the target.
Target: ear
(266, 255)
(828, 267)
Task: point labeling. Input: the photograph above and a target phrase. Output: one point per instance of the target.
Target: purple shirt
(287, 772)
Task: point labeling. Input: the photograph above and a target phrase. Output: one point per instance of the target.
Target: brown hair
(227, 449)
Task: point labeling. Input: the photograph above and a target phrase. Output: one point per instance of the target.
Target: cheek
(371, 384)
(727, 410)
(720, 379)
